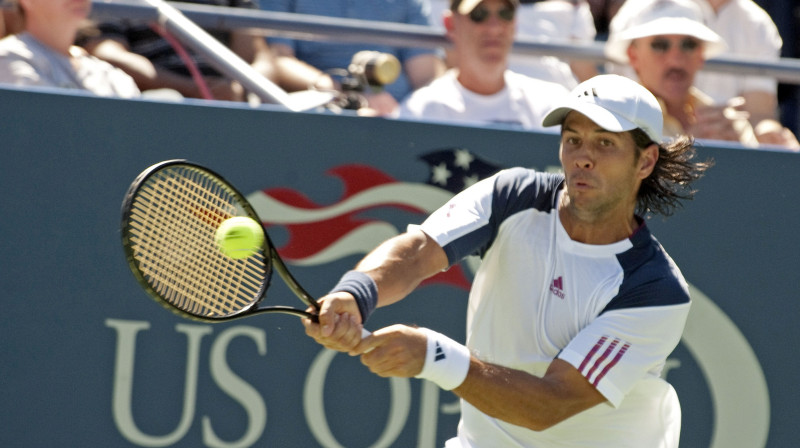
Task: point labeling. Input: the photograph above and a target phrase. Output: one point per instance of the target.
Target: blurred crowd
(477, 79)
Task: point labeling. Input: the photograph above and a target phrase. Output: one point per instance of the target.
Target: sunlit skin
(482, 49)
(55, 22)
(668, 75)
(602, 174)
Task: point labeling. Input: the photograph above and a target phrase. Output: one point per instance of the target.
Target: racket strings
(181, 248)
(196, 281)
(173, 221)
(216, 206)
(168, 270)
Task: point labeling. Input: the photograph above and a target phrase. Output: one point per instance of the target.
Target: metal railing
(219, 55)
(310, 27)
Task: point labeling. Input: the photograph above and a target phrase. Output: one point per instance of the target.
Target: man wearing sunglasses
(666, 44)
(480, 89)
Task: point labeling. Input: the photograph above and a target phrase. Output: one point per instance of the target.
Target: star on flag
(455, 169)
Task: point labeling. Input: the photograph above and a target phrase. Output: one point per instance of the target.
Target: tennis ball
(239, 237)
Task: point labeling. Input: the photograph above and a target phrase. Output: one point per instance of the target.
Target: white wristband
(446, 361)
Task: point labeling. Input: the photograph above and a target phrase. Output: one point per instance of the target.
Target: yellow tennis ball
(239, 237)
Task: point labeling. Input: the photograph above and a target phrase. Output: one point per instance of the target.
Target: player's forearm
(522, 399)
(401, 263)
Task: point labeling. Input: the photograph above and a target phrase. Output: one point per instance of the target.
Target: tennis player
(575, 306)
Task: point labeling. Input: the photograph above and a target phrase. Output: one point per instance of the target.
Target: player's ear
(647, 160)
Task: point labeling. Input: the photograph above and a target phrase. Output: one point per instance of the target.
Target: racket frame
(272, 259)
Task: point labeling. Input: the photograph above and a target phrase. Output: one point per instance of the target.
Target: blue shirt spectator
(327, 56)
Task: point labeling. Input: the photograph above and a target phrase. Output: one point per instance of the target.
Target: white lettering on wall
(230, 383)
(241, 391)
(123, 381)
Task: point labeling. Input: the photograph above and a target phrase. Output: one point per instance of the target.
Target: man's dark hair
(670, 182)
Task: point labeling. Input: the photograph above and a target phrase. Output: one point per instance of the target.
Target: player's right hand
(339, 326)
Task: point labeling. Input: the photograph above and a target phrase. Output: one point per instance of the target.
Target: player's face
(603, 169)
(486, 35)
(667, 64)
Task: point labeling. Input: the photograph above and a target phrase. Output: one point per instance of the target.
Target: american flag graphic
(455, 169)
(324, 233)
(605, 354)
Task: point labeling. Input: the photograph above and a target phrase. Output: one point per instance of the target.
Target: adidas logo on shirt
(557, 287)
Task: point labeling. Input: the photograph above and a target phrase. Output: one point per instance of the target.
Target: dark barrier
(88, 360)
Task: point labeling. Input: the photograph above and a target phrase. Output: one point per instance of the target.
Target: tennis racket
(169, 217)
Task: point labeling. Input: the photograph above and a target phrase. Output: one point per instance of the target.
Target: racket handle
(366, 333)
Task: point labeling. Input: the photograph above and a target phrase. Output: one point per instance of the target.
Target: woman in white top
(43, 54)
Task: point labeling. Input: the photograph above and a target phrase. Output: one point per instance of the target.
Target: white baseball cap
(466, 6)
(645, 18)
(615, 103)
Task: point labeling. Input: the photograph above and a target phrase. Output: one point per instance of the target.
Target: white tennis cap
(615, 103)
(645, 18)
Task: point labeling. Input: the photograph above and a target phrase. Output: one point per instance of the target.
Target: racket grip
(366, 333)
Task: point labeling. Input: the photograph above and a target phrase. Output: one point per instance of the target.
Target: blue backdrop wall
(89, 360)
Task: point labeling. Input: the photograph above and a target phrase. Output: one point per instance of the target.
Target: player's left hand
(395, 351)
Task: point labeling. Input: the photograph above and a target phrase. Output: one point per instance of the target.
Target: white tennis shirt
(615, 312)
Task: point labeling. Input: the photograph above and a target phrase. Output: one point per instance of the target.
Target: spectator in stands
(419, 65)
(787, 19)
(749, 32)
(603, 11)
(481, 89)
(751, 37)
(548, 20)
(555, 20)
(43, 54)
(10, 18)
(666, 44)
(154, 63)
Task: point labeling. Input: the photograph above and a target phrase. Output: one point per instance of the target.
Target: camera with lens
(368, 72)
